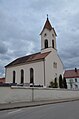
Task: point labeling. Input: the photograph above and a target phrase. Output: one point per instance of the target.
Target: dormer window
(45, 34)
(46, 43)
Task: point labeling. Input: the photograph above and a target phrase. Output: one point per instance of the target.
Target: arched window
(53, 43)
(31, 75)
(14, 76)
(46, 43)
(22, 76)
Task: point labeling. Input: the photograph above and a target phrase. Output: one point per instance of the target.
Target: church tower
(48, 37)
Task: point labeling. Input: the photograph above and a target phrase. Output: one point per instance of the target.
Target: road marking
(15, 111)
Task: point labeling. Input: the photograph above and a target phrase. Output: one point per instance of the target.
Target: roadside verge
(8, 106)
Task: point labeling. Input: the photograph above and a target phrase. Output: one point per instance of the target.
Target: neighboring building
(72, 78)
(2, 80)
(40, 68)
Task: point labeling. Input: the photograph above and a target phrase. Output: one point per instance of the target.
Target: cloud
(3, 48)
(21, 22)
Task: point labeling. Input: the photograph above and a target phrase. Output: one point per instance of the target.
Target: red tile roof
(48, 26)
(29, 58)
(2, 80)
(71, 73)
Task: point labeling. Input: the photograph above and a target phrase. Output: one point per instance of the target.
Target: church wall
(38, 73)
(51, 71)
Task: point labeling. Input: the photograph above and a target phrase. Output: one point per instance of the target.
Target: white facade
(38, 73)
(72, 83)
(45, 70)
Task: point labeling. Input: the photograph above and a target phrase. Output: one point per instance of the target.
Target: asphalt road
(67, 110)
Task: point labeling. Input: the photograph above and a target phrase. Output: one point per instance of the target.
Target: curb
(39, 104)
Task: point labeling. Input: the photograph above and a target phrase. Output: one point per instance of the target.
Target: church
(40, 68)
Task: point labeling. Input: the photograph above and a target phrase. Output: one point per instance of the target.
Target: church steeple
(48, 37)
(48, 26)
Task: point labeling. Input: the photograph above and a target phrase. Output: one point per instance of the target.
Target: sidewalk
(32, 104)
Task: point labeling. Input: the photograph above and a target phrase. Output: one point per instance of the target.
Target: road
(67, 110)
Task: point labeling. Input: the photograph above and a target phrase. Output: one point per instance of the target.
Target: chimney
(75, 69)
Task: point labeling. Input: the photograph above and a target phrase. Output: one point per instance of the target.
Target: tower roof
(48, 26)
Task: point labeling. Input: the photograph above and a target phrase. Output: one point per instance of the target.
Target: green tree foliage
(64, 83)
(51, 84)
(54, 84)
(60, 81)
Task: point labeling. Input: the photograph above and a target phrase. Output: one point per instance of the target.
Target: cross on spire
(47, 15)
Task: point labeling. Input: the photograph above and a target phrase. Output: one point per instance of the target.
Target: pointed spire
(48, 26)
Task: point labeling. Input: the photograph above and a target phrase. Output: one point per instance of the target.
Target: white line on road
(15, 111)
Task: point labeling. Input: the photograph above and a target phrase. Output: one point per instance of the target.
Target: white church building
(40, 68)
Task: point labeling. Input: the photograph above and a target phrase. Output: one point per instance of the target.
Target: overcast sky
(21, 22)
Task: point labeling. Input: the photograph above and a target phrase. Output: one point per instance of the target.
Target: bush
(51, 84)
(54, 84)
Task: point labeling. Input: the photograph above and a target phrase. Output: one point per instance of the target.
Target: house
(40, 68)
(2, 80)
(72, 78)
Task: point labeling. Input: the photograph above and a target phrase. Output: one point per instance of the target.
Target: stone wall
(23, 94)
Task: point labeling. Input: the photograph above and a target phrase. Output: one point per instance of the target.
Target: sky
(21, 22)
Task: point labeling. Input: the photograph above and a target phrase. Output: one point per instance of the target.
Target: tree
(64, 83)
(60, 81)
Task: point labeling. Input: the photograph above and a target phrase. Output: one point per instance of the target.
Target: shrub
(54, 84)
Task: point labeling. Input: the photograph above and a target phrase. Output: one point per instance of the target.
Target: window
(53, 35)
(55, 65)
(22, 76)
(76, 86)
(75, 80)
(31, 75)
(14, 75)
(52, 43)
(46, 43)
(45, 34)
